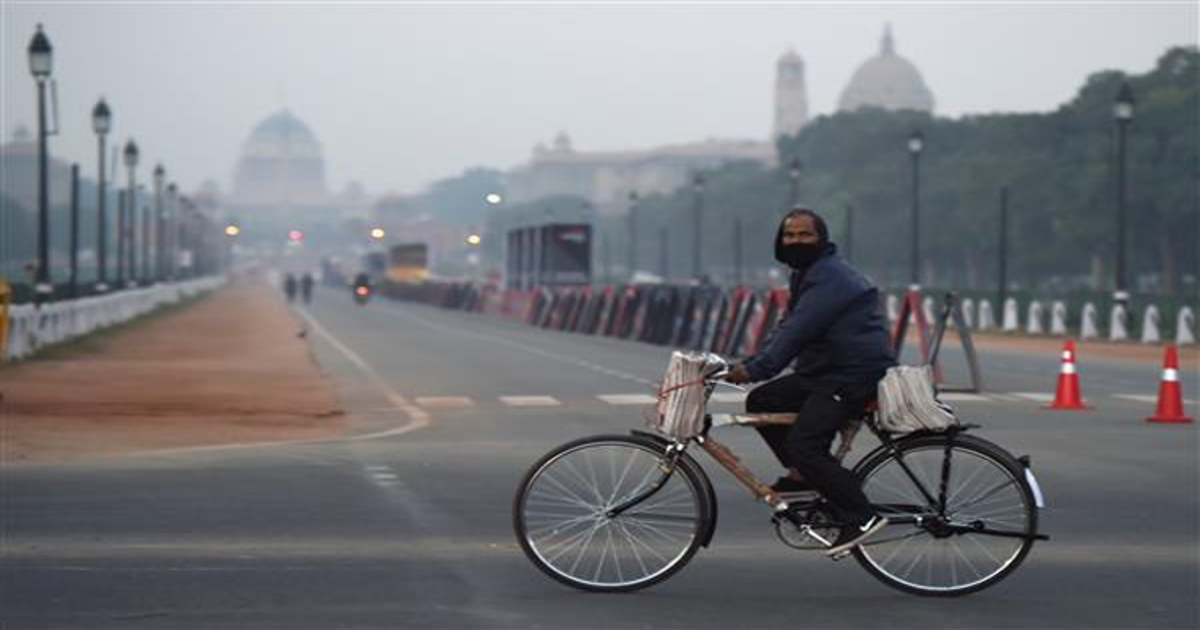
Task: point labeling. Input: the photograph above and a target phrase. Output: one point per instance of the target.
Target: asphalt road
(408, 525)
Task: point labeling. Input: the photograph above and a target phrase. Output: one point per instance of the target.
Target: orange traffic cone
(1170, 394)
(1067, 395)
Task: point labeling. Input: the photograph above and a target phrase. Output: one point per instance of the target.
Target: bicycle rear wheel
(562, 521)
(984, 532)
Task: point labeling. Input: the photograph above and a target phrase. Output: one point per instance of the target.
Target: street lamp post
(173, 231)
(794, 179)
(916, 143)
(101, 124)
(631, 225)
(130, 224)
(147, 260)
(737, 250)
(1123, 113)
(41, 59)
(1003, 263)
(698, 216)
(73, 279)
(160, 177)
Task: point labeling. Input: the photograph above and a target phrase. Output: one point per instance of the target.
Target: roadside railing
(31, 328)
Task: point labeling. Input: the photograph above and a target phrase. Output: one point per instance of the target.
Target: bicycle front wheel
(982, 534)
(562, 519)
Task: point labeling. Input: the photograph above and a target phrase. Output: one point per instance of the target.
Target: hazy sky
(404, 94)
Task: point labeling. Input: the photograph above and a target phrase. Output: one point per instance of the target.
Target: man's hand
(738, 375)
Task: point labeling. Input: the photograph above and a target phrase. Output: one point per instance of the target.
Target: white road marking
(530, 401)
(417, 418)
(1034, 396)
(963, 397)
(628, 399)
(1143, 398)
(458, 332)
(729, 397)
(444, 402)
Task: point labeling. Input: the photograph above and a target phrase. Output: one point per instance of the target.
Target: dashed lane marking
(1034, 396)
(628, 399)
(1149, 399)
(530, 401)
(963, 397)
(444, 402)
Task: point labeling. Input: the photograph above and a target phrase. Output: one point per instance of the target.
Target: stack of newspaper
(908, 402)
(681, 398)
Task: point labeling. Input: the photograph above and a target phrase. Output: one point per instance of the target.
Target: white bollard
(893, 308)
(1058, 318)
(1185, 324)
(987, 320)
(1088, 329)
(1117, 330)
(1011, 323)
(927, 309)
(968, 311)
(1033, 324)
(1150, 325)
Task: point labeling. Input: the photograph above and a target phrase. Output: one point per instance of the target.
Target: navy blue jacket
(834, 330)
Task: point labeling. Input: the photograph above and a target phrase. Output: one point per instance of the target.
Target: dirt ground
(228, 368)
(1124, 351)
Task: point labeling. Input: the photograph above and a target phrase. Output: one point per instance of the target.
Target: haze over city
(401, 95)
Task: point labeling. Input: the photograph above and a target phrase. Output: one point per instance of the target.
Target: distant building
(887, 80)
(280, 177)
(606, 177)
(791, 95)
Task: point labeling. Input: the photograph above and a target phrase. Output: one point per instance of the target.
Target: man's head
(802, 238)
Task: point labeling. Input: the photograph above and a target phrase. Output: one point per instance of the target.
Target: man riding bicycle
(835, 336)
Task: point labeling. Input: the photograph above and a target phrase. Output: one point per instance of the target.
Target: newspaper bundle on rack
(908, 402)
(681, 397)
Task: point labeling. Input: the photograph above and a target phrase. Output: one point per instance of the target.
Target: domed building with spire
(888, 81)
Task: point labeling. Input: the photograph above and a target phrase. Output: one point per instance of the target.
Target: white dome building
(887, 80)
(282, 163)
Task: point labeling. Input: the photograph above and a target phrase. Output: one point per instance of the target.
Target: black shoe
(787, 485)
(855, 534)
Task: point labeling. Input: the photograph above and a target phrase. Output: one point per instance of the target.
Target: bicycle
(616, 513)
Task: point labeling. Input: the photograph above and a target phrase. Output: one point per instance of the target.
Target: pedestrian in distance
(289, 288)
(835, 337)
(306, 287)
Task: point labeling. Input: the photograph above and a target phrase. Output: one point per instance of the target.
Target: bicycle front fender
(710, 495)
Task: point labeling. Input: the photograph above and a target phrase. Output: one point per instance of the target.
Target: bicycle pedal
(842, 556)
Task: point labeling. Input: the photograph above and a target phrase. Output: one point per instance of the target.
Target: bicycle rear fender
(710, 495)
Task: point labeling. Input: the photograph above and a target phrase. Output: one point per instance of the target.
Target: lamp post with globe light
(101, 124)
(130, 222)
(41, 61)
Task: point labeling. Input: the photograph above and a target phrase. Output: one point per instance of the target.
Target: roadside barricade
(1185, 325)
(1150, 332)
(31, 328)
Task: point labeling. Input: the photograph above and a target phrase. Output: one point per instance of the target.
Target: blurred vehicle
(362, 288)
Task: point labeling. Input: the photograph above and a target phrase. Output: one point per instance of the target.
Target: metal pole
(147, 266)
(131, 228)
(1121, 295)
(664, 258)
(121, 239)
(604, 255)
(74, 278)
(848, 237)
(1003, 288)
(160, 250)
(101, 227)
(698, 217)
(42, 287)
(737, 250)
(916, 217)
(631, 220)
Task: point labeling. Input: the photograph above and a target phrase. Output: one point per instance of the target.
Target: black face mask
(799, 255)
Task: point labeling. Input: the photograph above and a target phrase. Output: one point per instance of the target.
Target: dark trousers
(805, 444)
